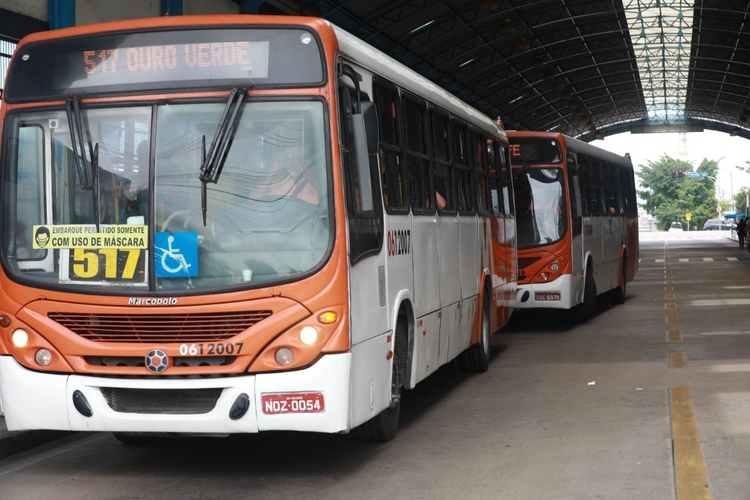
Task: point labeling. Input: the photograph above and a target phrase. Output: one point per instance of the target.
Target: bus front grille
(525, 262)
(178, 362)
(161, 401)
(159, 328)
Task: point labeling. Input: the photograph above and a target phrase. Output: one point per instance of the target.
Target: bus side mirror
(370, 119)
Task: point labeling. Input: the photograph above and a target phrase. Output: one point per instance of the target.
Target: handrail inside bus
(521, 170)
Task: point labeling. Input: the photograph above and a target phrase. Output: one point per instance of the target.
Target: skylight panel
(661, 32)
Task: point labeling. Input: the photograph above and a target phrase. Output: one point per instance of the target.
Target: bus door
(576, 224)
(368, 299)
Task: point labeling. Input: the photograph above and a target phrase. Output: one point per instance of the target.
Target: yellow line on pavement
(669, 289)
(669, 296)
(677, 360)
(689, 470)
(674, 336)
(673, 319)
(670, 305)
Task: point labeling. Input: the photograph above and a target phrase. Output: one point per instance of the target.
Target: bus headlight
(308, 335)
(554, 267)
(43, 357)
(544, 276)
(20, 338)
(284, 356)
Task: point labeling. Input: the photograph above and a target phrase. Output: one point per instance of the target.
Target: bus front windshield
(540, 206)
(118, 203)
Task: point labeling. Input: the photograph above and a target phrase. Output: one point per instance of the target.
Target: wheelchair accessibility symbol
(176, 254)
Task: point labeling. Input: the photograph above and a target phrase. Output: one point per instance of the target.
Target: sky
(728, 151)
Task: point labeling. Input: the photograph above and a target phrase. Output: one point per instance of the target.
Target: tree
(740, 199)
(668, 200)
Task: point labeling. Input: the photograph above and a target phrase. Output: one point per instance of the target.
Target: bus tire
(617, 295)
(477, 357)
(383, 426)
(587, 309)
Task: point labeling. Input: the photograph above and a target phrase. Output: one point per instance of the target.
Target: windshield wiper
(213, 161)
(88, 177)
(73, 112)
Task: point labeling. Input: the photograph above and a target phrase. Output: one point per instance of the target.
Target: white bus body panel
(566, 285)
(450, 289)
(371, 379)
(426, 347)
(426, 265)
(369, 308)
(608, 272)
(36, 400)
(448, 249)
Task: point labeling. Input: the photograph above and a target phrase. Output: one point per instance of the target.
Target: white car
(675, 227)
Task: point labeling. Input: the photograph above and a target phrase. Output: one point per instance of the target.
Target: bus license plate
(547, 296)
(307, 402)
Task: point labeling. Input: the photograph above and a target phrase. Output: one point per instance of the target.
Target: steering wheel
(188, 213)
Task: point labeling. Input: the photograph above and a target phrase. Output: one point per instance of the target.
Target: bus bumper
(543, 295)
(36, 400)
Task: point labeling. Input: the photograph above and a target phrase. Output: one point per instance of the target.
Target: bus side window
(444, 172)
(30, 193)
(619, 191)
(611, 172)
(602, 168)
(628, 183)
(479, 148)
(422, 199)
(463, 172)
(493, 178)
(506, 181)
(574, 194)
(365, 220)
(391, 167)
(592, 172)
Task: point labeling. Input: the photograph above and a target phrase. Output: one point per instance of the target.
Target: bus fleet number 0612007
(211, 349)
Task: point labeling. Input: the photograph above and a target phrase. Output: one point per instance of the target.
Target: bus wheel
(477, 357)
(587, 309)
(618, 294)
(382, 427)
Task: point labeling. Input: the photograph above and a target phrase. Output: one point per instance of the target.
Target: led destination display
(165, 60)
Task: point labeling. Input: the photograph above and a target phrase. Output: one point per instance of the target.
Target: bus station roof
(586, 68)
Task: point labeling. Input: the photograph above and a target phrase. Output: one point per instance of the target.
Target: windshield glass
(541, 210)
(266, 211)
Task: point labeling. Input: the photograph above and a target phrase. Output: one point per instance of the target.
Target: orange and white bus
(577, 222)
(230, 224)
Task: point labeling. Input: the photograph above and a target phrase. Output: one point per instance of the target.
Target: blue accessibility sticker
(176, 254)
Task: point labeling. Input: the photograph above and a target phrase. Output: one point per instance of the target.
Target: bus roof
(382, 64)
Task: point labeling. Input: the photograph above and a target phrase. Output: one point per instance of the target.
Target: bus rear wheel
(383, 426)
(587, 308)
(617, 295)
(477, 357)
